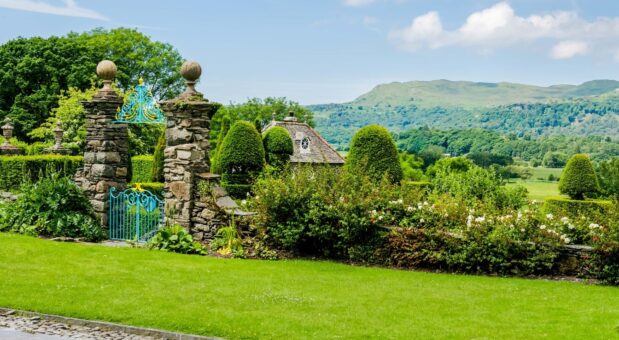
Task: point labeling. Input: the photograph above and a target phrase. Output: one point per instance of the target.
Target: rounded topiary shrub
(373, 153)
(278, 146)
(241, 156)
(578, 179)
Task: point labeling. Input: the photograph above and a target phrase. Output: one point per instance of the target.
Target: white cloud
(70, 8)
(499, 25)
(569, 49)
(357, 3)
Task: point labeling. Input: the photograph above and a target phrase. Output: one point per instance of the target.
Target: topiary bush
(278, 146)
(52, 207)
(17, 170)
(142, 167)
(225, 127)
(578, 179)
(158, 159)
(241, 157)
(373, 153)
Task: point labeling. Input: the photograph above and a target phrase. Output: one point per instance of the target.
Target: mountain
(588, 108)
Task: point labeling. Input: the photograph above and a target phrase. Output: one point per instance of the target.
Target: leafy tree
(373, 153)
(278, 146)
(411, 167)
(259, 111)
(578, 179)
(450, 164)
(608, 175)
(35, 71)
(430, 155)
(158, 159)
(70, 112)
(554, 159)
(486, 159)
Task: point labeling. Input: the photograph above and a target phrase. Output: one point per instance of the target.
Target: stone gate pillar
(106, 155)
(187, 147)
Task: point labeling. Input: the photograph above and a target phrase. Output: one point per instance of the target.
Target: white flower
(341, 198)
(243, 202)
(570, 226)
(422, 220)
(565, 220)
(519, 215)
(400, 201)
(522, 230)
(380, 218)
(419, 206)
(425, 203)
(594, 226)
(549, 216)
(373, 212)
(542, 227)
(480, 219)
(410, 208)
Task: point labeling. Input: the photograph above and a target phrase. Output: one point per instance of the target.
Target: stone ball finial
(106, 70)
(191, 70)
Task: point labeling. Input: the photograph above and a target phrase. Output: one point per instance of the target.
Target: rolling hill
(589, 108)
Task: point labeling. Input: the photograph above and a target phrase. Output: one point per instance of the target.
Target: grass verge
(292, 299)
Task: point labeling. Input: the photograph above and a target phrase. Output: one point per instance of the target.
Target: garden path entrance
(136, 214)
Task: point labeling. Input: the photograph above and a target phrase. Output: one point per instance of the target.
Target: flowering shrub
(604, 262)
(324, 211)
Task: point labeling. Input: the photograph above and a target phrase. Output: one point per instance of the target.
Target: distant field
(539, 190)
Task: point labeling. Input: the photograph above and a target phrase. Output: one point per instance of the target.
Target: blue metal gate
(134, 215)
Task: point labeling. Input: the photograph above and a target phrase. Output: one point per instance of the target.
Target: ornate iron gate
(135, 215)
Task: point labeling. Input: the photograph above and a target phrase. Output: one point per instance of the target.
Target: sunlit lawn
(292, 299)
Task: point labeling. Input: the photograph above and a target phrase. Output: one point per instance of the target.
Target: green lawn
(292, 299)
(539, 190)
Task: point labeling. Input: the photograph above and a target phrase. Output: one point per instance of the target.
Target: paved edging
(110, 326)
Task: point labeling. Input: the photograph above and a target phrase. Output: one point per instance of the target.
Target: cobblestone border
(140, 331)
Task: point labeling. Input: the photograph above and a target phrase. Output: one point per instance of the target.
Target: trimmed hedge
(16, 170)
(142, 168)
(241, 157)
(278, 146)
(561, 206)
(158, 160)
(155, 188)
(373, 153)
(578, 179)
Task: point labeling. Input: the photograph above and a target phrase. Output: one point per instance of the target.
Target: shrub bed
(52, 207)
(16, 170)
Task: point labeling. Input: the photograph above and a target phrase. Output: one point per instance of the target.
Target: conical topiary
(578, 179)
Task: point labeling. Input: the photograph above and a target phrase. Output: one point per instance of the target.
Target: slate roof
(318, 151)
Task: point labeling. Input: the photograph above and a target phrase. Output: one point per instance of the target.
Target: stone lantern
(7, 148)
(58, 134)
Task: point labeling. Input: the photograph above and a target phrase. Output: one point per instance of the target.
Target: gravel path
(13, 326)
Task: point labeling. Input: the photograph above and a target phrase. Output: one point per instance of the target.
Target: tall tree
(34, 71)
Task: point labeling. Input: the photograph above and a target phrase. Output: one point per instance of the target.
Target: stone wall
(106, 156)
(186, 155)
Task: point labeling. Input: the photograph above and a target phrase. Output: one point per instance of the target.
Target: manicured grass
(539, 190)
(542, 172)
(292, 299)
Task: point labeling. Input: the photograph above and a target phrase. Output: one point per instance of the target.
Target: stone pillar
(187, 148)
(106, 155)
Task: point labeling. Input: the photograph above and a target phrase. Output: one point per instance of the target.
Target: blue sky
(320, 51)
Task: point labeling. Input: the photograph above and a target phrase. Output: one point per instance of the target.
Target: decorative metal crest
(140, 108)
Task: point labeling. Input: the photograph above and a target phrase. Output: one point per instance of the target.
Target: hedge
(561, 206)
(420, 185)
(155, 188)
(142, 168)
(15, 170)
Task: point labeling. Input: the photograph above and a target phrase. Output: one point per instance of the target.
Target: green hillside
(576, 110)
(469, 94)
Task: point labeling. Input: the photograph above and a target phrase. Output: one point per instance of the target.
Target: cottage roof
(309, 146)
